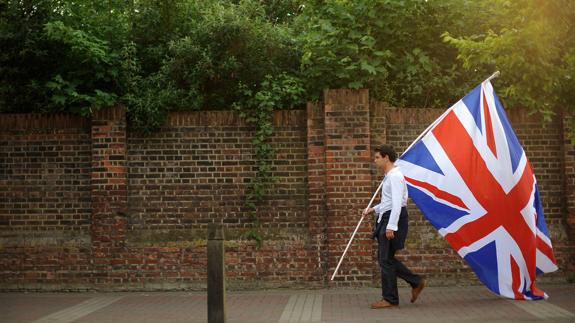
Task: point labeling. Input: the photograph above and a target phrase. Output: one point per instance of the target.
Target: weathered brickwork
(109, 196)
(347, 176)
(569, 187)
(196, 173)
(316, 183)
(45, 202)
(44, 173)
(90, 204)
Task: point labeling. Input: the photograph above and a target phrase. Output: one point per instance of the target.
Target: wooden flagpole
(355, 231)
(494, 75)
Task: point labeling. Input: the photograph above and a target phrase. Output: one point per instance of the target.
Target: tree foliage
(155, 56)
(59, 56)
(532, 43)
(391, 47)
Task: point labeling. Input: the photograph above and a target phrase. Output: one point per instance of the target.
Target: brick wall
(193, 172)
(347, 178)
(88, 203)
(195, 169)
(316, 186)
(109, 197)
(568, 169)
(45, 203)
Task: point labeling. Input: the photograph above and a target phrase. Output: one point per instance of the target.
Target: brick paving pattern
(436, 304)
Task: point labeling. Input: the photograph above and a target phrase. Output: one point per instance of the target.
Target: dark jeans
(391, 268)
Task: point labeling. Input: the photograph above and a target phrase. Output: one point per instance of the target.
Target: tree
(532, 43)
(156, 56)
(206, 55)
(391, 47)
(58, 55)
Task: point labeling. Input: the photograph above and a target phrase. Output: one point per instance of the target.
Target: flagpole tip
(494, 75)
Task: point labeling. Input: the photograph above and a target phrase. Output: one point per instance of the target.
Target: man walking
(391, 230)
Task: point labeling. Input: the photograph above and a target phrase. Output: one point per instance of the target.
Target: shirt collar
(394, 169)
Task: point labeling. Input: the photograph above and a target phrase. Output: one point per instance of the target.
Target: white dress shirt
(393, 197)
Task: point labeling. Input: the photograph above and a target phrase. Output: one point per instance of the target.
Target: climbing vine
(282, 91)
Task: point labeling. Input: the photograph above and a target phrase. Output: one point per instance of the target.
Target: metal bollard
(216, 274)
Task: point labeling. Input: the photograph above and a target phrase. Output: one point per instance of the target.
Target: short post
(216, 274)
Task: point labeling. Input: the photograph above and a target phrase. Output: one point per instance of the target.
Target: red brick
(107, 185)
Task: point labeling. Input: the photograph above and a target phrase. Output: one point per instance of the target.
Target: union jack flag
(470, 177)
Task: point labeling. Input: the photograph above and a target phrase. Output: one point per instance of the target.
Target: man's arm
(377, 208)
(397, 188)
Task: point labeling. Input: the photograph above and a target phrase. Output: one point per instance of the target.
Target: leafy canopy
(156, 56)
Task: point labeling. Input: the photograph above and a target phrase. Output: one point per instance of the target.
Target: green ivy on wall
(282, 91)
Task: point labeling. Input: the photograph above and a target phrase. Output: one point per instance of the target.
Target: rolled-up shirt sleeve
(397, 187)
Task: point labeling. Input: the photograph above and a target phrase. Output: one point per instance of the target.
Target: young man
(391, 230)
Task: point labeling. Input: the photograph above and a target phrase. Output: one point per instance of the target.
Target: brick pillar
(569, 178)
(109, 193)
(348, 183)
(316, 185)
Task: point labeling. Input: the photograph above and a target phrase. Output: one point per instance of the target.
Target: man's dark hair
(387, 150)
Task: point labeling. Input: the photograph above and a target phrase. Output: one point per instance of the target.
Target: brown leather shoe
(382, 304)
(417, 290)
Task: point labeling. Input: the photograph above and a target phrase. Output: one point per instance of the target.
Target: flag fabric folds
(470, 177)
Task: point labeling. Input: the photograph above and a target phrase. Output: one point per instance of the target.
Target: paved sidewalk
(436, 304)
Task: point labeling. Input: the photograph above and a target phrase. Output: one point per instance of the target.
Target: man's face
(380, 161)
